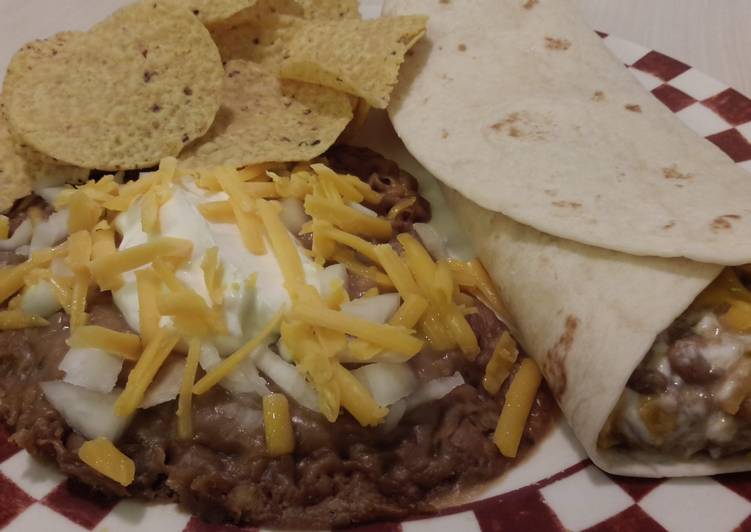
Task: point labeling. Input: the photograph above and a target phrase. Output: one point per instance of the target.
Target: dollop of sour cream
(248, 306)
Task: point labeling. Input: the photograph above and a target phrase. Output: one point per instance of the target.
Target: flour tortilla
(588, 316)
(618, 303)
(520, 107)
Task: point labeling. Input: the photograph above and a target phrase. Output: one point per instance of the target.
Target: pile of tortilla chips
(211, 82)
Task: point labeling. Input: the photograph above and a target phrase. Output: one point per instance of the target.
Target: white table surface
(711, 35)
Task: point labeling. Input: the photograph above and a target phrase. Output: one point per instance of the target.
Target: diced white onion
(293, 214)
(91, 368)
(166, 384)
(395, 415)
(40, 299)
(49, 194)
(20, 237)
(434, 390)
(363, 209)
(50, 231)
(244, 379)
(286, 377)
(387, 383)
(433, 241)
(377, 309)
(331, 278)
(90, 413)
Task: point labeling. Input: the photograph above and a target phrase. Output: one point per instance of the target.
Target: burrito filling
(691, 393)
(283, 344)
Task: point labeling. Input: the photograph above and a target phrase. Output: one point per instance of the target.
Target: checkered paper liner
(556, 489)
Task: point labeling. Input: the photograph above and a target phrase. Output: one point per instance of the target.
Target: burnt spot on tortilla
(519, 125)
(724, 222)
(444, 2)
(529, 4)
(462, 47)
(186, 138)
(233, 73)
(598, 96)
(554, 43)
(672, 172)
(156, 108)
(187, 91)
(566, 204)
(554, 361)
(147, 75)
(444, 134)
(669, 225)
(634, 108)
(551, 192)
(196, 12)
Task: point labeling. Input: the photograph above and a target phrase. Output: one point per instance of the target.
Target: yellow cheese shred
(277, 425)
(347, 218)
(185, 399)
(79, 251)
(519, 398)
(12, 278)
(358, 244)
(141, 376)
(217, 211)
(357, 400)
(4, 227)
(150, 212)
(499, 366)
(387, 336)
(104, 268)
(79, 294)
(104, 458)
(125, 345)
(283, 247)
(148, 287)
(84, 212)
(226, 366)
(17, 319)
(213, 275)
(347, 258)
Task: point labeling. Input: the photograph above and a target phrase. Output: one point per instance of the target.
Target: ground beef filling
(339, 474)
(683, 398)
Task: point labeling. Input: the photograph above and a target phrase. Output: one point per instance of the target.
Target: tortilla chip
(21, 168)
(212, 11)
(264, 119)
(258, 34)
(353, 56)
(133, 90)
(15, 183)
(330, 9)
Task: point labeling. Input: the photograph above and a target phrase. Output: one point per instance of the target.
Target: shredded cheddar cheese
(17, 319)
(387, 336)
(213, 275)
(277, 424)
(519, 398)
(148, 287)
(499, 366)
(141, 376)
(125, 345)
(185, 398)
(347, 218)
(283, 247)
(4, 227)
(357, 400)
(217, 211)
(104, 458)
(104, 268)
(226, 366)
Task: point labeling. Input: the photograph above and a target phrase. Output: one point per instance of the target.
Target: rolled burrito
(613, 231)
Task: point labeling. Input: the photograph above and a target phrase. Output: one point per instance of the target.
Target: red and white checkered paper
(34, 496)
